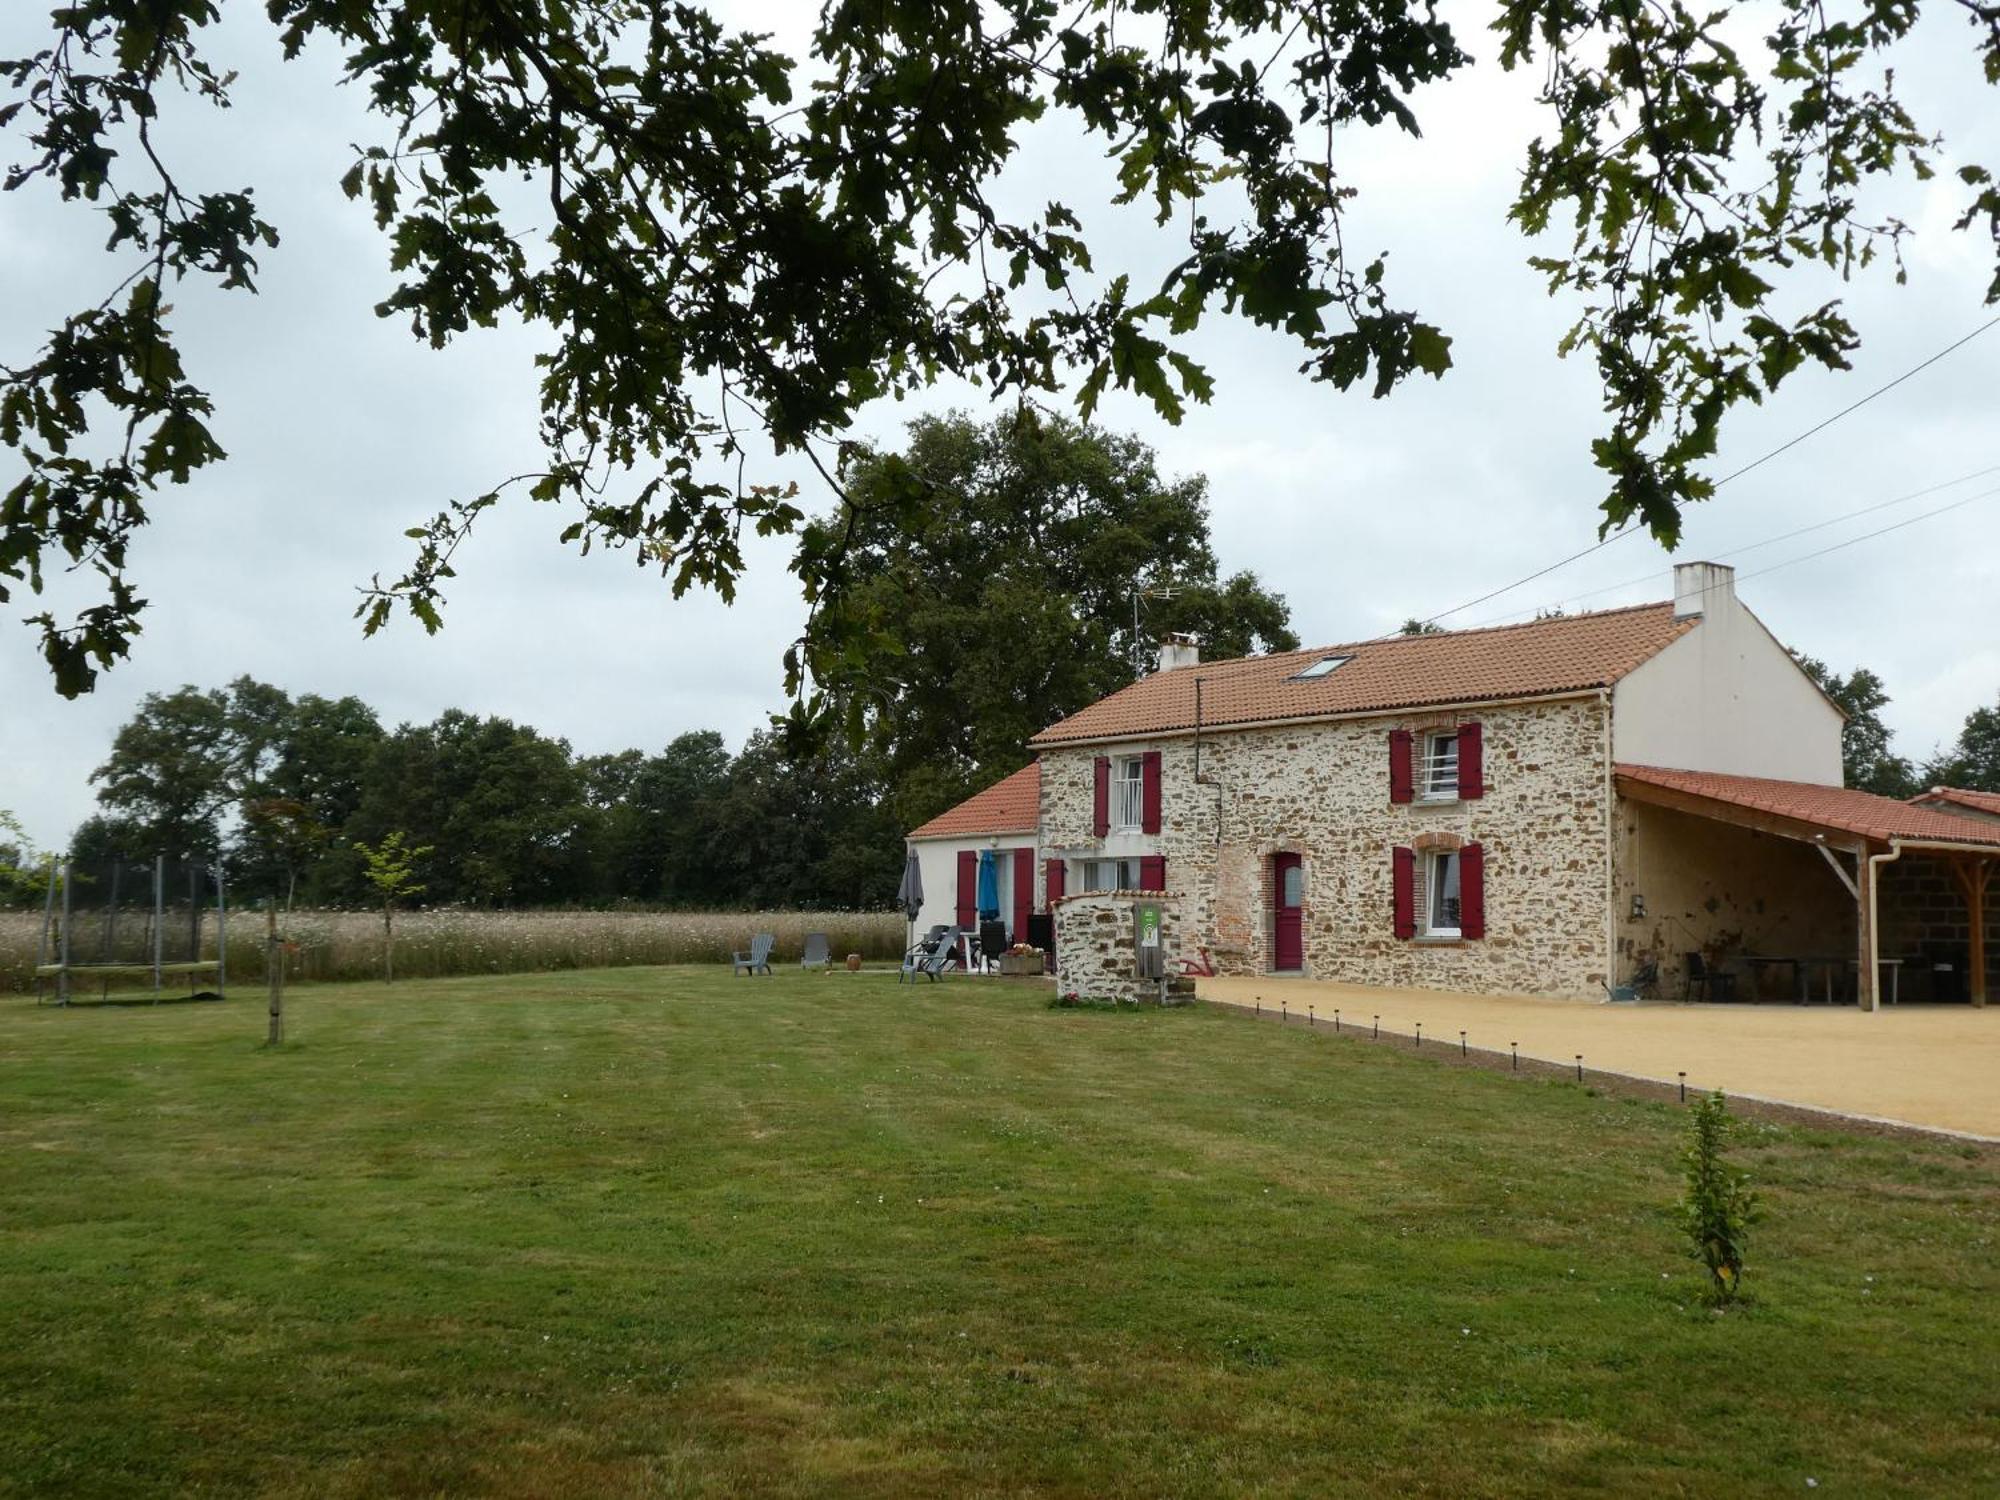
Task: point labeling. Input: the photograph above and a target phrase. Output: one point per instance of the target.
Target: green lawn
(664, 1232)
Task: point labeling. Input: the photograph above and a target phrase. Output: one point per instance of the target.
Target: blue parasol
(989, 886)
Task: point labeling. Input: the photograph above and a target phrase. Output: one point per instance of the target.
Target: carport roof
(1985, 802)
(1832, 809)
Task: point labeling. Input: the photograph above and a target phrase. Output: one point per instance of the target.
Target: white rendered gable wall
(1725, 696)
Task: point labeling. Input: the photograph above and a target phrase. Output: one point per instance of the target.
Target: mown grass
(664, 1232)
(444, 942)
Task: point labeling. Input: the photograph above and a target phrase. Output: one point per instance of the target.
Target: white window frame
(1094, 872)
(1434, 863)
(1128, 794)
(1440, 749)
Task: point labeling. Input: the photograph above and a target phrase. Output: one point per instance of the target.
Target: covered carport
(1847, 879)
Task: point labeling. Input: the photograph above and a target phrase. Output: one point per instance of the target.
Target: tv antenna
(1155, 591)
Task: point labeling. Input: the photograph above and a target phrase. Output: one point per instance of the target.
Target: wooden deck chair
(759, 956)
(817, 955)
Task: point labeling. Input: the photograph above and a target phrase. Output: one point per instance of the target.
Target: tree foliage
(1867, 760)
(989, 581)
(729, 241)
(1972, 762)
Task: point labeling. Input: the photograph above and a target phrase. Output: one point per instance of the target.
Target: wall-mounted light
(1638, 906)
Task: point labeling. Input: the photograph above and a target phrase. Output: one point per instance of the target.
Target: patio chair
(758, 958)
(931, 957)
(1643, 978)
(1713, 983)
(817, 955)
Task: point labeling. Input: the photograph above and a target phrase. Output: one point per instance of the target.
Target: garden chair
(759, 956)
(817, 954)
(1643, 978)
(931, 957)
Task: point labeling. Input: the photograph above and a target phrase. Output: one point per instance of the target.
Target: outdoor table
(1801, 966)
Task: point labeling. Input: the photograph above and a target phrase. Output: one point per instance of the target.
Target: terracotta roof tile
(1833, 807)
(1570, 654)
(1984, 802)
(1009, 806)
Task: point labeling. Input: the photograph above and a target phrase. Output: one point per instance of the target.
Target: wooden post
(1867, 973)
(274, 969)
(1972, 873)
(62, 978)
(48, 921)
(159, 915)
(221, 935)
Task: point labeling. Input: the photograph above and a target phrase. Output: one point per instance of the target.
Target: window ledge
(1440, 939)
(1439, 799)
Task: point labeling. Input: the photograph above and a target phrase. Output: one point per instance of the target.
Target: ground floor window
(1441, 887)
(1111, 874)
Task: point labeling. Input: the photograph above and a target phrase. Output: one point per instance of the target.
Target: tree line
(1007, 605)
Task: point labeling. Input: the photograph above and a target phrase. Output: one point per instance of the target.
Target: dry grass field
(446, 943)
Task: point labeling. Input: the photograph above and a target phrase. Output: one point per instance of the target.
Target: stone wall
(1923, 915)
(1094, 946)
(1322, 791)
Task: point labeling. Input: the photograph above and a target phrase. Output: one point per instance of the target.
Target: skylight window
(1321, 667)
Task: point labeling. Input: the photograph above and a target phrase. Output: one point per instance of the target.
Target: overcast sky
(342, 430)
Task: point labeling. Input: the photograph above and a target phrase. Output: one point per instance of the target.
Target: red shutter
(1401, 781)
(1152, 872)
(1471, 761)
(1024, 892)
(1053, 879)
(1404, 887)
(968, 889)
(1472, 891)
(1149, 792)
(1100, 807)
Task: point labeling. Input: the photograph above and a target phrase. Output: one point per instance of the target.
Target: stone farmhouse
(1538, 809)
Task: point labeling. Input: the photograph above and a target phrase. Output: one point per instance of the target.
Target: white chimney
(1698, 586)
(1178, 651)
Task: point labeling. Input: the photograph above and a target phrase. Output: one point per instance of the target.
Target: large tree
(726, 239)
(1867, 760)
(182, 765)
(1973, 761)
(1004, 599)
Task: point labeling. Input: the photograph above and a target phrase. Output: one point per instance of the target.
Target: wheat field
(324, 945)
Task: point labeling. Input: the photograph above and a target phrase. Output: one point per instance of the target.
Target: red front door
(1287, 901)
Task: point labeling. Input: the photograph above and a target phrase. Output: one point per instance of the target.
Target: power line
(1870, 535)
(1783, 536)
(1631, 526)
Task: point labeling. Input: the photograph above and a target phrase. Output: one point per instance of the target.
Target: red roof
(1010, 806)
(1982, 802)
(1542, 658)
(1839, 808)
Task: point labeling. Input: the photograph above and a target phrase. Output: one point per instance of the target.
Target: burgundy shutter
(1024, 892)
(1152, 872)
(1472, 891)
(968, 889)
(1149, 792)
(1100, 807)
(1404, 887)
(1401, 781)
(1471, 761)
(1053, 879)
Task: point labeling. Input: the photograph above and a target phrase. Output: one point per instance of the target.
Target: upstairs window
(1128, 794)
(1440, 778)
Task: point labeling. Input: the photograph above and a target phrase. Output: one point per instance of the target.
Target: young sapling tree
(1718, 1206)
(390, 867)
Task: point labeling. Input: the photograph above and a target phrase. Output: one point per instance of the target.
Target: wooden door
(1287, 908)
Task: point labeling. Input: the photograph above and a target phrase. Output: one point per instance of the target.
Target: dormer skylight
(1321, 667)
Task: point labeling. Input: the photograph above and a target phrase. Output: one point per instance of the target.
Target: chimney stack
(1699, 585)
(1178, 651)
